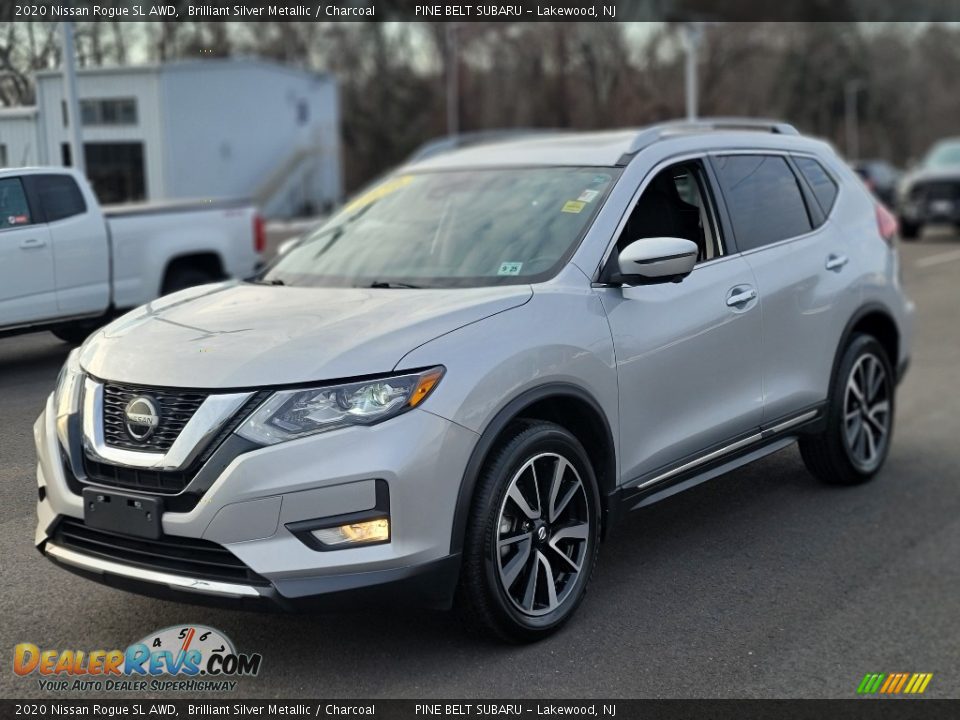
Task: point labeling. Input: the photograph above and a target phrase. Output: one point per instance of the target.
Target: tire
(73, 334)
(854, 444)
(494, 595)
(185, 277)
(909, 231)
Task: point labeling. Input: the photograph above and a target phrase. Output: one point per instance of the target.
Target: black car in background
(880, 177)
(930, 194)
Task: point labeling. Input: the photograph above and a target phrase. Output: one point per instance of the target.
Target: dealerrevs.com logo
(188, 658)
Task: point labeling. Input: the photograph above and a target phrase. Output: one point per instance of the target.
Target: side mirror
(653, 260)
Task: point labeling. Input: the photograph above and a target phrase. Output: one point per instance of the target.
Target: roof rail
(653, 133)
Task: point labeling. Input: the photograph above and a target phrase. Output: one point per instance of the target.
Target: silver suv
(451, 390)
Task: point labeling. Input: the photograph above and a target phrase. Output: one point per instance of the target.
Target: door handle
(740, 297)
(835, 262)
(32, 243)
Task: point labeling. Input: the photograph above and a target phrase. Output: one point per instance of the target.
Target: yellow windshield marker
(379, 192)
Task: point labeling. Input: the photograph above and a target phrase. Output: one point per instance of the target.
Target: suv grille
(176, 407)
(180, 555)
(936, 190)
(143, 479)
(171, 483)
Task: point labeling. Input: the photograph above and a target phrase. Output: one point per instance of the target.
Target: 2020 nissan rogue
(453, 388)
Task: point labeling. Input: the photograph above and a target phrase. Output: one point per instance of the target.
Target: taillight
(886, 223)
(259, 235)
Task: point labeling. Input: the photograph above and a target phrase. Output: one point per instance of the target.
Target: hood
(950, 172)
(238, 335)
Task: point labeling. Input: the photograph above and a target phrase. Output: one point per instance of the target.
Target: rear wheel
(532, 536)
(79, 330)
(73, 334)
(181, 278)
(859, 426)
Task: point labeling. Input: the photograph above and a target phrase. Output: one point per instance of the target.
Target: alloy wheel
(543, 534)
(866, 412)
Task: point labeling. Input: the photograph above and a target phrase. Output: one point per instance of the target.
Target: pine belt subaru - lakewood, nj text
(453, 388)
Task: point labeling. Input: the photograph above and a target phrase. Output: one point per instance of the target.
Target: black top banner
(515, 11)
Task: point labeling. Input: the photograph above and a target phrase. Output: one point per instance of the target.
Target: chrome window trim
(209, 418)
(177, 582)
(732, 447)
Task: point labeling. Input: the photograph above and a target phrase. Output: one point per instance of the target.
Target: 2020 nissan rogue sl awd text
(452, 389)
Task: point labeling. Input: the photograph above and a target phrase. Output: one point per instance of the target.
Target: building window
(3, 155)
(109, 111)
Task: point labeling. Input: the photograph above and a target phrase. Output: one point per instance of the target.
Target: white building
(197, 129)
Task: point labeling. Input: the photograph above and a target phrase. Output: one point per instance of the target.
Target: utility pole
(70, 97)
(453, 81)
(692, 36)
(851, 118)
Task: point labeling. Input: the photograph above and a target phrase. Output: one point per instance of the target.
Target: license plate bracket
(122, 512)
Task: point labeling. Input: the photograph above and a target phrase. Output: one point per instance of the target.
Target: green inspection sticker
(510, 268)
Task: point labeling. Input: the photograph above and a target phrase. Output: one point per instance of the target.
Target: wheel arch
(209, 261)
(876, 320)
(562, 403)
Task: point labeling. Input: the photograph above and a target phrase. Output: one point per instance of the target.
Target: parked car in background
(67, 265)
(454, 388)
(880, 177)
(930, 194)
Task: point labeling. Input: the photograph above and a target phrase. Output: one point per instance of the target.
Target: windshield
(943, 155)
(451, 229)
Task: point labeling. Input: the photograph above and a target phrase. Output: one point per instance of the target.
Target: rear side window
(824, 187)
(58, 195)
(763, 198)
(14, 210)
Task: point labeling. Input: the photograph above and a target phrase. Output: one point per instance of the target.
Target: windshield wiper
(379, 284)
(275, 281)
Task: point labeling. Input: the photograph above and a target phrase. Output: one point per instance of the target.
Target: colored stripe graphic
(901, 683)
(894, 683)
(891, 681)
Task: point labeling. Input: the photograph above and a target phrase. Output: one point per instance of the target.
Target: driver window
(676, 204)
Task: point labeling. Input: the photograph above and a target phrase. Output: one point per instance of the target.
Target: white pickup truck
(67, 265)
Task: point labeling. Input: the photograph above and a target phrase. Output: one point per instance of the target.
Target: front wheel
(909, 230)
(532, 536)
(859, 424)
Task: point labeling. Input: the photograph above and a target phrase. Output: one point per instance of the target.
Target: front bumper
(921, 211)
(420, 456)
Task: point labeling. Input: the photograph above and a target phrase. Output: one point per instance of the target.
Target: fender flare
(861, 312)
(509, 412)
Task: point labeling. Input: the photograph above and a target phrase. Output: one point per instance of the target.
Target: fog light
(369, 531)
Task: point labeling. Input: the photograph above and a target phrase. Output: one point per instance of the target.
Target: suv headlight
(66, 397)
(290, 414)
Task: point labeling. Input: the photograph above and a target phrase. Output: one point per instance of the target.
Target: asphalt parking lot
(761, 583)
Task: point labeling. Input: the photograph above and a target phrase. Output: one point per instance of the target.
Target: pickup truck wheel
(73, 334)
(185, 277)
(532, 536)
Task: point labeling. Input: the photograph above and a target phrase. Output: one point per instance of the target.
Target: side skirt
(736, 453)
